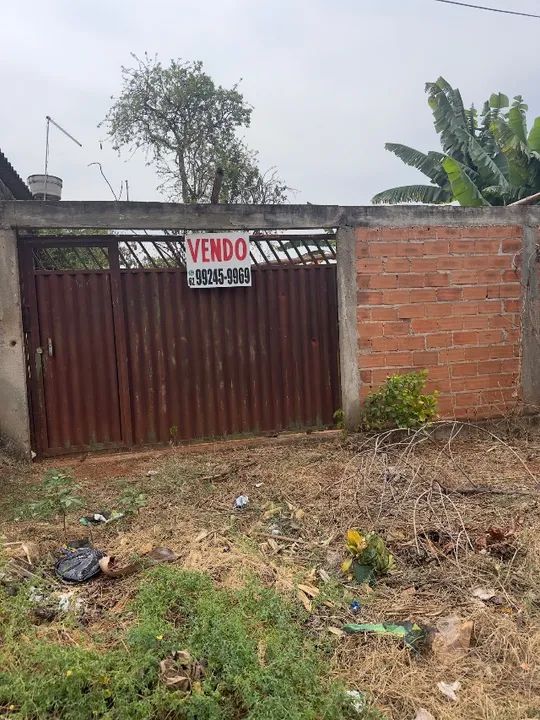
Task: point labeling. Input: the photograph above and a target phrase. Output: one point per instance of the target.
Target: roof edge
(12, 180)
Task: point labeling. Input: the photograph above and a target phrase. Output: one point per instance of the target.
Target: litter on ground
(441, 620)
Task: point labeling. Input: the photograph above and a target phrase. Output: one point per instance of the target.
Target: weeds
(59, 497)
(419, 491)
(339, 419)
(132, 500)
(173, 435)
(258, 663)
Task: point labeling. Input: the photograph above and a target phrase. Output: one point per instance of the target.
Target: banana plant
(489, 159)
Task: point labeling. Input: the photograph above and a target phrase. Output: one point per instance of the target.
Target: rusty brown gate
(122, 353)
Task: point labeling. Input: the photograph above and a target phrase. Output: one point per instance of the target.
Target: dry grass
(433, 496)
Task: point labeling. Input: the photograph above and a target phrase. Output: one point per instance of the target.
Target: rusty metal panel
(225, 362)
(75, 362)
(137, 357)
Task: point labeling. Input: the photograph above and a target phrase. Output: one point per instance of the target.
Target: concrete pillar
(14, 416)
(530, 359)
(348, 326)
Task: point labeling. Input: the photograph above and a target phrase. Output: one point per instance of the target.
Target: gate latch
(39, 361)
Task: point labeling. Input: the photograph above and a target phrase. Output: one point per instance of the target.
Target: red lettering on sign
(194, 251)
(205, 257)
(241, 249)
(227, 249)
(215, 249)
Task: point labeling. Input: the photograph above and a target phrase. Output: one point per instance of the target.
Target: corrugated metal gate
(123, 353)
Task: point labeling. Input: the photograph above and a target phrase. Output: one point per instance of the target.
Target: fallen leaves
(336, 631)
(496, 541)
(273, 544)
(309, 590)
(449, 690)
(26, 551)
(325, 576)
(305, 593)
(304, 599)
(201, 536)
(180, 672)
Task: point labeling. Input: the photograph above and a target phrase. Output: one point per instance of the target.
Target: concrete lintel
(14, 416)
(530, 375)
(348, 326)
(159, 216)
(25, 214)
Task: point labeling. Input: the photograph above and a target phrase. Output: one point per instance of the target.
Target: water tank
(45, 187)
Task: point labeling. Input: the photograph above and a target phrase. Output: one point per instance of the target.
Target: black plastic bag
(78, 565)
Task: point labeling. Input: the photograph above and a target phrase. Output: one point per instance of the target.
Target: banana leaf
(488, 170)
(429, 164)
(449, 119)
(413, 194)
(517, 119)
(497, 101)
(454, 98)
(464, 189)
(534, 136)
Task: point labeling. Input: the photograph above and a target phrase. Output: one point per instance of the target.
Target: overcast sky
(330, 80)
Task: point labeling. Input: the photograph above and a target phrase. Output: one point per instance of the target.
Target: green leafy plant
(400, 403)
(339, 419)
(59, 497)
(132, 500)
(369, 556)
(173, 434)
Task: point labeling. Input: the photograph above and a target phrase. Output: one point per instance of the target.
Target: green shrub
(260, 665)
(339, 419)
(400, 403)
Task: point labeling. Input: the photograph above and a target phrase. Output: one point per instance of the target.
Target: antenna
(49, 120)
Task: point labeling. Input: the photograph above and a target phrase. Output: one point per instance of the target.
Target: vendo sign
(218, 259)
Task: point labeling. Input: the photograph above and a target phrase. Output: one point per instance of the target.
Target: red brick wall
(444, 299)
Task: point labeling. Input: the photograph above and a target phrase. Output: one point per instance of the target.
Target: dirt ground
(457, 506)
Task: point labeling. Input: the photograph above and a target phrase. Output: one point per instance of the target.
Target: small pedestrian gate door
(122, 353)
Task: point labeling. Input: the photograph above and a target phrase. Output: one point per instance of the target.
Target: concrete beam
(530, 314)
(432, 215)
(14, 416)
(348, 326)
(157, 216)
